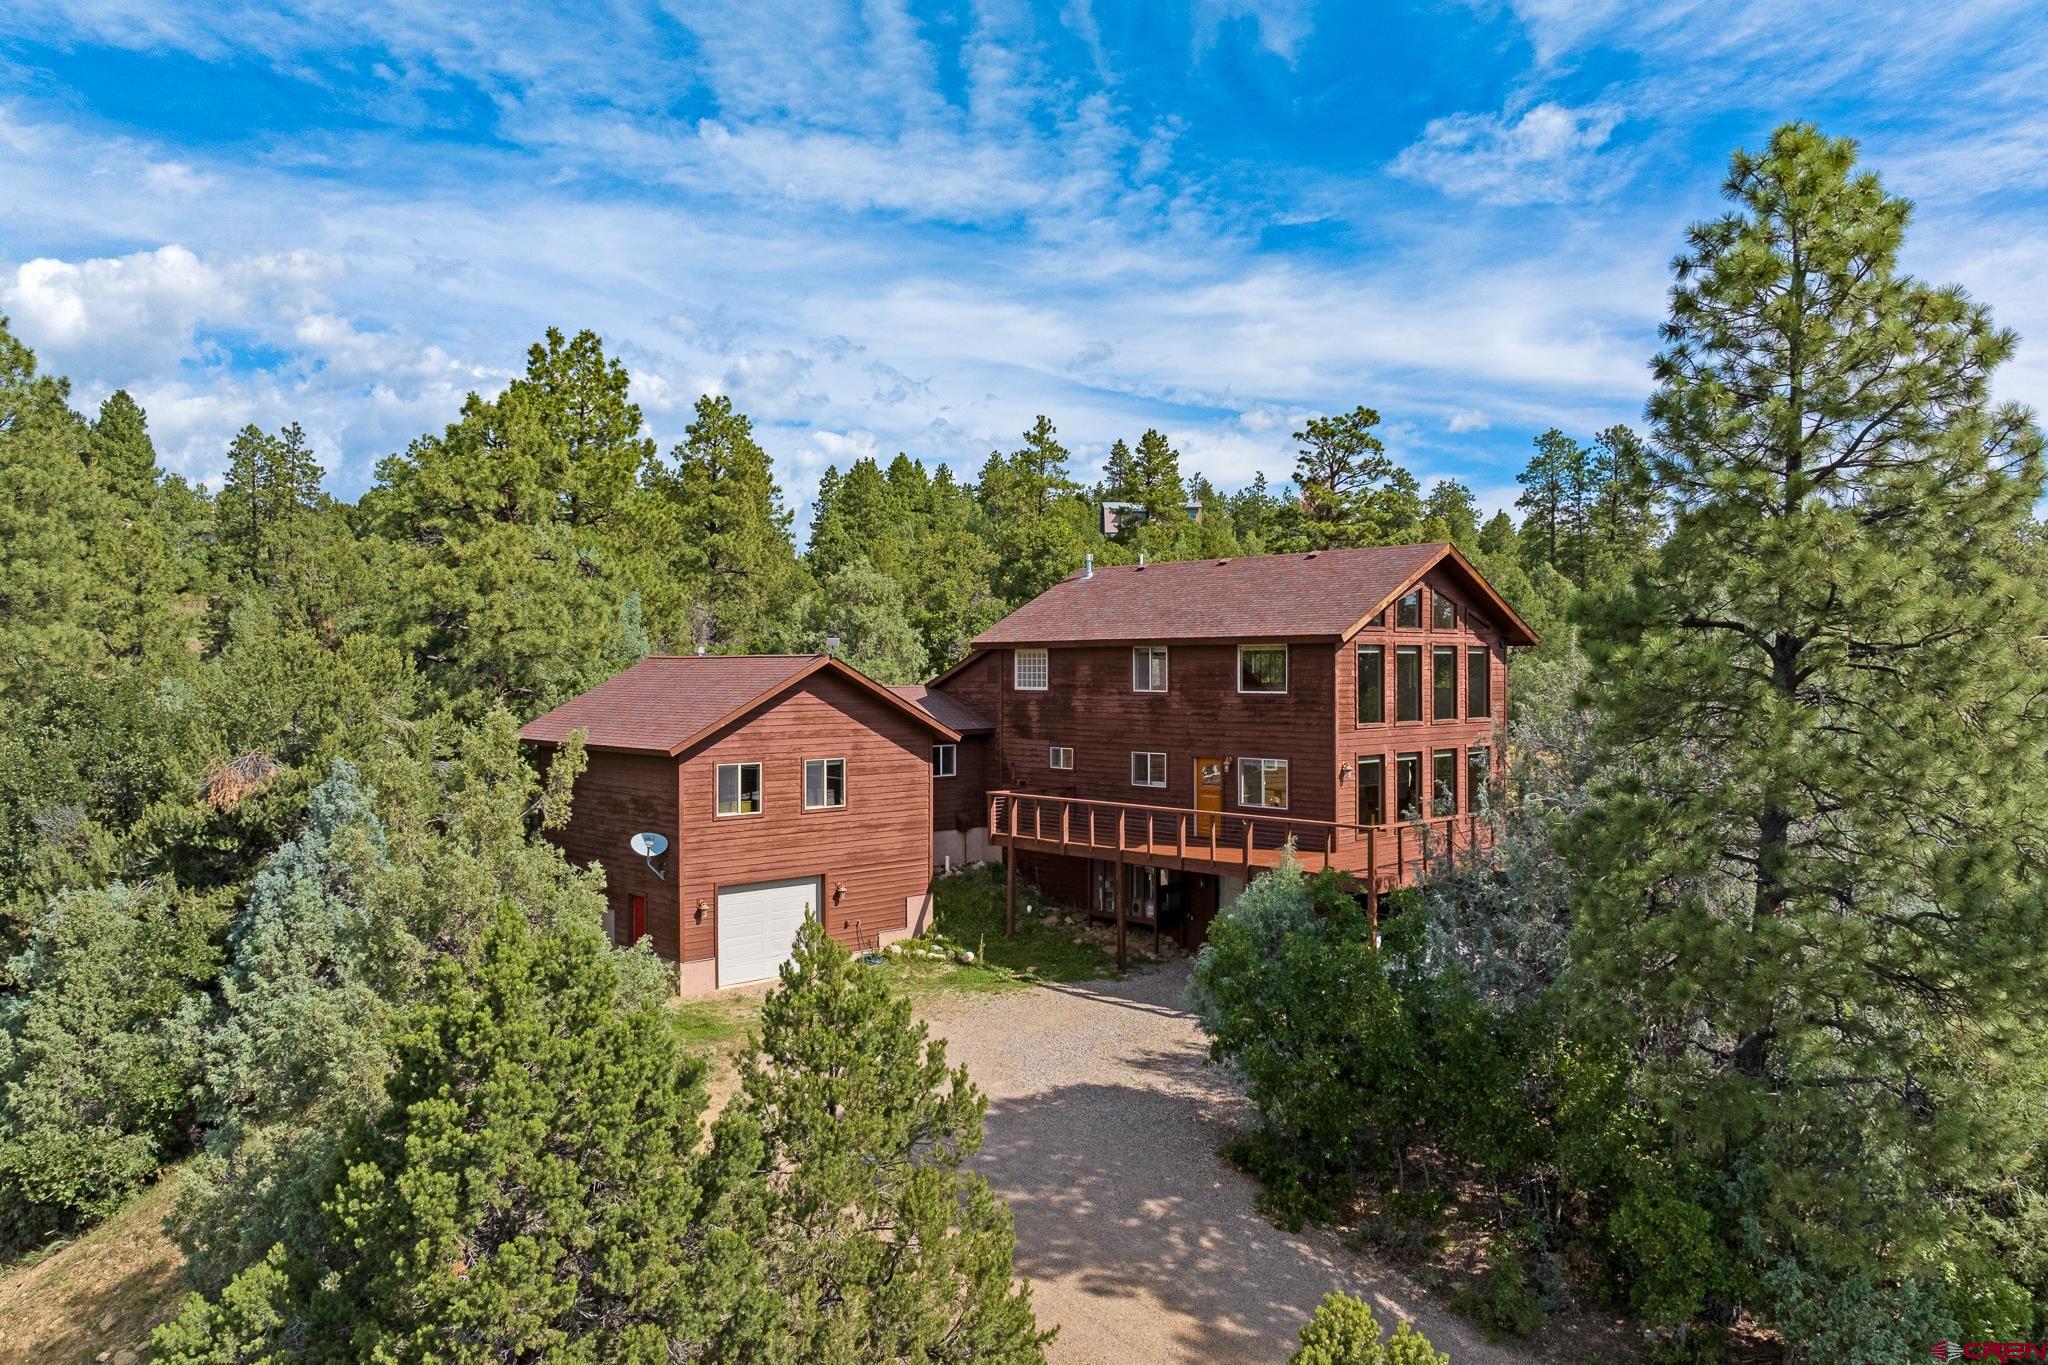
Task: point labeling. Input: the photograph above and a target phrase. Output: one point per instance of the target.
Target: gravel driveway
(1104, 1126)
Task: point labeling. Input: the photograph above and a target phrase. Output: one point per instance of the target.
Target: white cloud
(1468, 419)
(1548, 154)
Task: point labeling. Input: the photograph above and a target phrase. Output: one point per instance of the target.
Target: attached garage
(757, 926)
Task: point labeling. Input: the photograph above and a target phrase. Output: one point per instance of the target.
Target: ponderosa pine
(1813, 870)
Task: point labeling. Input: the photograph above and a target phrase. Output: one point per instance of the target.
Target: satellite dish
(650, 846)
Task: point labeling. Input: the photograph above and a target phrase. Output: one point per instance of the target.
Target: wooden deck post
(1010, 882)
(1372, 883)
(1122, 952)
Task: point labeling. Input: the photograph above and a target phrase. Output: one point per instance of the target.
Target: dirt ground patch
(1103, 1133)
(100, 1294)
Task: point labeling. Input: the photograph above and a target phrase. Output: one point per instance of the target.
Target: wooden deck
(1229, 842)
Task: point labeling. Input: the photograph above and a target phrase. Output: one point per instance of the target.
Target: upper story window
(1148, 668)
(1408, 611)
(1031, 670)
(1262, 668)
(945, 760)
(1060, 757)
(739, 789)
(1372, 684)
(1479, 681)
(824, 783)
(1372, 789)
(1408, 786)
(1148, 770)
(1408, 682)
(1443, 683)
(1262, 783)
(1443, 612)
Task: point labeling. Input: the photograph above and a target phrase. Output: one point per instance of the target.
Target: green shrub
(1343, 1331)
(1295, 997)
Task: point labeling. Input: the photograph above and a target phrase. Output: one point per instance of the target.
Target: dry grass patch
(100, 1295)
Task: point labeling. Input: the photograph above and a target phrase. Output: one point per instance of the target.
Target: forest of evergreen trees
(1739, 1007)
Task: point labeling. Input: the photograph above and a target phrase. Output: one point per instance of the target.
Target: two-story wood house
(1155, 735)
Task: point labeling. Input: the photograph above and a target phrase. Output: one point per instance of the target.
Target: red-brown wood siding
(1089, 706)
(618, 796)
(879, 846)
(1390, 737)
(960, 802)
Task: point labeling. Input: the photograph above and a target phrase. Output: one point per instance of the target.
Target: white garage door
(757, 926)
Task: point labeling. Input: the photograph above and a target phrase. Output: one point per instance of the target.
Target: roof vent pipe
(1088, 565)
(1141, 559)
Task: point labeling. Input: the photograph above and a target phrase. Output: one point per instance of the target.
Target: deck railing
(1383, 855)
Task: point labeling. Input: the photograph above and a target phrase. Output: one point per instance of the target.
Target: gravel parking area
(1104, 1128)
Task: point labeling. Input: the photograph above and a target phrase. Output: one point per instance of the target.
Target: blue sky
(891, 227)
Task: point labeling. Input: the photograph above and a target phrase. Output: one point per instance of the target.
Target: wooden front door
(1208, 793)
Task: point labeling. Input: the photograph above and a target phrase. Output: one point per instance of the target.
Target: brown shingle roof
(665, 703)
(944, 706)
(1324, 593)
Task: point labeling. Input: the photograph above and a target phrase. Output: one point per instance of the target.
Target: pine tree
(1450, 514)
(121, 451)
(1812, 876)
(1339, 465)
(733, 532)
(1553, 485)
(530, 1191)
(879, 1246)
(271, 492)
(1032, 514)
(1120, 473)
(1497, 537)
(865, 608)
(1622, 521)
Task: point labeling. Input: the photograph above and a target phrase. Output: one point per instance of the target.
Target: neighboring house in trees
(785, 786)
(1158, 733)
(1138, 740)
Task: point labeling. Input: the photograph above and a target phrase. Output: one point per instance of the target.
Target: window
(1380, 619)
(1408, 786)
(1148, 770)
(1262, 668)
(1148, 668)
(1262, 783)
(824, 783)
(1061, 757)
(1408, 611)
(1478, 774)
(739, 789)
(1443, 683)
(945, 760)
(1408, 682)
(1444, 782)
(1372, 684)
(1479, 681)
(1372, 790)
(1443, 613)
(1031, 670)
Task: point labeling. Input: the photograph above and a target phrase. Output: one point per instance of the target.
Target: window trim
(1163, 672)
(841, 761)
(1437, 713)
(1017, 657)
(718, 784)
(1052, 757)
(1266, 765)
(1286, 671)
(1483, 656)
(1358, 683)
(949, 769)
(1148, 755)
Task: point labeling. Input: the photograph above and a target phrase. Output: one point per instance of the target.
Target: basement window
(739, 789)
(1148, 770)
(1061, 757)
